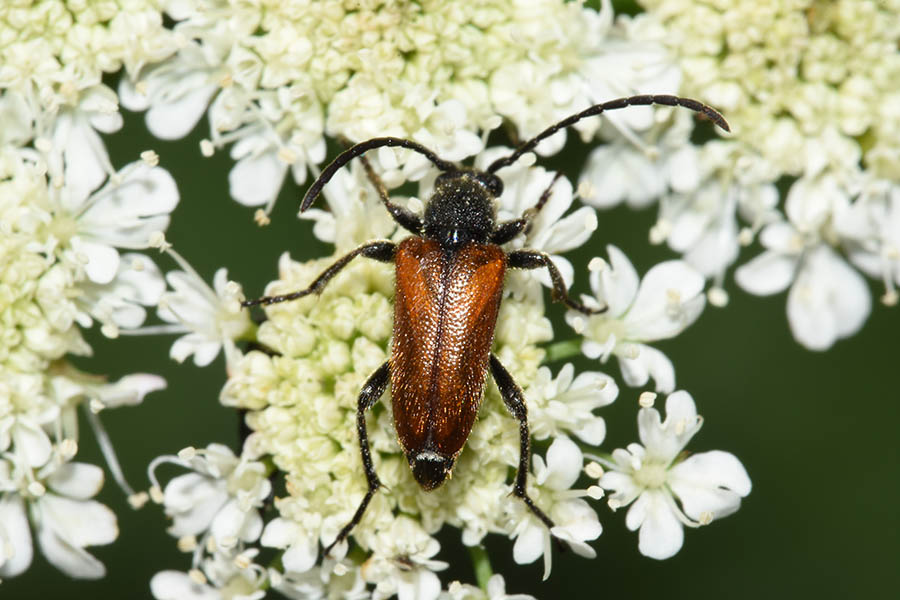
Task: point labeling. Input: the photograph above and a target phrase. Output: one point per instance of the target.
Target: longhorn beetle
(449, 282)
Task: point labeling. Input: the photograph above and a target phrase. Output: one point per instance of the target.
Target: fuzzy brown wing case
(445, 311)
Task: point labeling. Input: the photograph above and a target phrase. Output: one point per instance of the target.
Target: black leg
(531, 259)
(370, 393)
(406, 219)
(381, 250)
(515, 403)
(509, 229)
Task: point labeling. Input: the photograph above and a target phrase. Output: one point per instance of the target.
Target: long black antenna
(667, 100)
(350, 153)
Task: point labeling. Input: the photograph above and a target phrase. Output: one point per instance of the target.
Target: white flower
(566, 404)
(211, 318)
(220, 496)
(668, 299)
(134, 203)
(828, 299)
(65, 519)
(575, 521)
(221, 575)
(708, 485)
(639, 171)
(402, 563)
(496, 590)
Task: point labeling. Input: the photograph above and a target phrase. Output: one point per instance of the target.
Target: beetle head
(461, 209)
(430, 468)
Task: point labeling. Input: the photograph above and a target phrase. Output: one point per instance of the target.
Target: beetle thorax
(460, 211)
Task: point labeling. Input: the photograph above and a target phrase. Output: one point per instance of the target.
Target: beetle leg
(515, 403)
(509, 229)
(532, 259)
(382, 250)
(406, 219)
(370, 393)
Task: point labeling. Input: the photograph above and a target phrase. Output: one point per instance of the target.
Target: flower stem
(564, 349)
(481, 562)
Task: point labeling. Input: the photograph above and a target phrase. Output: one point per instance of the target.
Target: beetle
(448, 288)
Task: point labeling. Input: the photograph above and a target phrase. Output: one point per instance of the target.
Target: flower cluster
(275, 77)
(809, 90)
(69, 221)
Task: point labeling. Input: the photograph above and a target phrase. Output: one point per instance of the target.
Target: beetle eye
(492, 183)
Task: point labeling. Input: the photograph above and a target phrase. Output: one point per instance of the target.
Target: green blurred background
(817, 432)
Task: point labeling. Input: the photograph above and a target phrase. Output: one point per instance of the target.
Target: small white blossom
(663, 304)
(220, 496)
(496, 590)
(653, 475)
(575, 521)
(57, 499)
(210, 318)
(402, 563)
(566, 403)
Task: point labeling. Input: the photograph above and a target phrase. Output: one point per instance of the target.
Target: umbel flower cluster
(810, 172)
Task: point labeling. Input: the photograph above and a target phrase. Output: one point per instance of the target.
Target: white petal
(128, 212)
(102, 260)
(769, 273)
(15, 537)
(649, 362)
(661, 535)
(711, 482)
(231, 522)
(657, 310)
(76, 480)
(301, 555)
(564, 461)
(193, 501)
(617, 286)
(31, 442)
(131, 389)
(173, 116)
(829, 300)
(174, 585)
(79, 522)
(529, 544)
(423, 585)
(256, 179)
(665, 440)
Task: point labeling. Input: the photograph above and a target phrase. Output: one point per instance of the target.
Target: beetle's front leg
(382, 250)
(370, 393)
(532, 259)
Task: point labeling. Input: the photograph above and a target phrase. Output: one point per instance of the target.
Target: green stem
(562, 350)
(481, 562)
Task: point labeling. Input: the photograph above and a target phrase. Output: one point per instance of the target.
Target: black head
(430, 468)
(461, 209)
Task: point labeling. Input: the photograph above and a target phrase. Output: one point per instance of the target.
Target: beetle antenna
(709, 112)
(361, 148)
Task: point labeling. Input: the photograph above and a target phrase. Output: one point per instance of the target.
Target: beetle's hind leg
(370, 393)
(382, 250)
(515, 403)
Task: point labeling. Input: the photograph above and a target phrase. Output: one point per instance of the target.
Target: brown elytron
(448, 290)
(445, 310)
